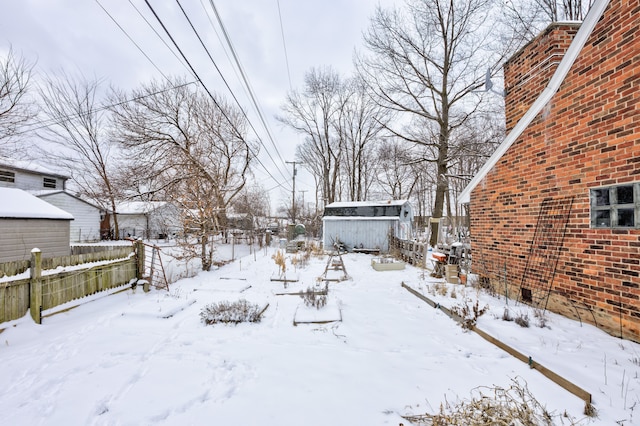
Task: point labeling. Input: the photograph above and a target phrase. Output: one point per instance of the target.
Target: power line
(158, 35)
(182, 63)
(41, 124)
(131, 39)
(245, 79)
(224, 49)
(284, 46)
(222, 111)
(227, 84)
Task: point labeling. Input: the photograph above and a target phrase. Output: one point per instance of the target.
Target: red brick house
(558, 205)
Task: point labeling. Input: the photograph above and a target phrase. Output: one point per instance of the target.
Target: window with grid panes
(616, 206)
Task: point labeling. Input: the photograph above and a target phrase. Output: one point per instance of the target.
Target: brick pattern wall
(588, 136)
(528, 72)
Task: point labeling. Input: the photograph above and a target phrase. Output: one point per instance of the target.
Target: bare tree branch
(77, 137)
(16, 109)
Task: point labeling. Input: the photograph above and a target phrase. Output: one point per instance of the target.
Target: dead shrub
(230, 312)
(514, 405)
(469, 312)
(522, 320)
(438, 288)
(541, 318)
(314, 299)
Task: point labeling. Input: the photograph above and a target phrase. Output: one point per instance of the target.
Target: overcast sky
(80, 37)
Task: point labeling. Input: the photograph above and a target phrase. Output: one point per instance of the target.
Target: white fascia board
(589, 23)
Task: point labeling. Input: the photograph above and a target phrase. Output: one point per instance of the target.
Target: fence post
(35, 286)
(140, 257)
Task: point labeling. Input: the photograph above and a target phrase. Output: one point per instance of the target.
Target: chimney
(528, 72)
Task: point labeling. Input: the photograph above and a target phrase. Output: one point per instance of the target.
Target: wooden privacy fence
(47, 286)
(79, 255)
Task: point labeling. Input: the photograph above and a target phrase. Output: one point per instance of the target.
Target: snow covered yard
(146, 358)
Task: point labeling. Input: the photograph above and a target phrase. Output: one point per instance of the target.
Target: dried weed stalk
(311, 298)
(230, 312)
(469, 312)
(514, 405)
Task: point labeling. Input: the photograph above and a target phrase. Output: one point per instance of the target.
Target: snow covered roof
(19, 204)
(43, 193)
(360, 218)
(138, 207)
(589, 23)
(29, 166)
(367, 203)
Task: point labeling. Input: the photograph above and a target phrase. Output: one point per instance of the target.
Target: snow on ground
(135, 358)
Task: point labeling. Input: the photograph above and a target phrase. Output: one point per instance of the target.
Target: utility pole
(293, 192)
(303, 191)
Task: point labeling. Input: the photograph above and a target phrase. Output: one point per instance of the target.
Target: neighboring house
(366, 224)
(29, 176)
(85, 226)
(240, 221)
(148, 219)
(50, 187)
(27, 222)
(558, 205)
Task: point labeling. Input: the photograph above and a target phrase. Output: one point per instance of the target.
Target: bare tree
(557, 10)
(427, 63)
(253, 202)
(16, 109)
(190, 147)
(78, 139)
(528, 18)
(396, 172)
(361, 122)
(314, 114)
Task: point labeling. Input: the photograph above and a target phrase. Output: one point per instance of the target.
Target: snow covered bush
(230, 312)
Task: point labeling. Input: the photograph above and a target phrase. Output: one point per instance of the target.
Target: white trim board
(583, 34)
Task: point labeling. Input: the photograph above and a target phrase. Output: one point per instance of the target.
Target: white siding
(131, 225)
(19, 236)
(86, 224)
(371, 233)
(164, 219)
(30, 181)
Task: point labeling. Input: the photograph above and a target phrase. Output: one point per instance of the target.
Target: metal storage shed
(366, 224)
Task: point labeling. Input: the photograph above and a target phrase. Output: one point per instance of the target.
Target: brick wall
(528, 72)
(588, 136)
